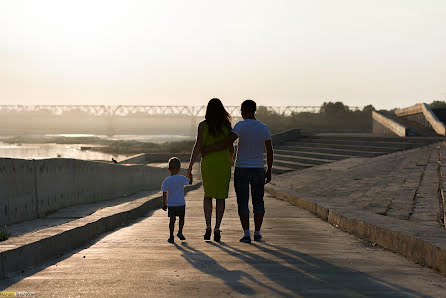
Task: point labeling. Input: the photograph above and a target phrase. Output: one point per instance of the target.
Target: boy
(173, 197)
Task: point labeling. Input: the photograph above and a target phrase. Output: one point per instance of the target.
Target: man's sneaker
(257, 237)
(171, 239)
(207, 235)
(246, 239)
(181, 236)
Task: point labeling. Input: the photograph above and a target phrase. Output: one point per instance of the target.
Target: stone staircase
(309, 151)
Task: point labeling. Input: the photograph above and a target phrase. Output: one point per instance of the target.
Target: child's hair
(174, 163)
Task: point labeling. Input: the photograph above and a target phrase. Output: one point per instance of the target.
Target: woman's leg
(207, 207)
(219, 210)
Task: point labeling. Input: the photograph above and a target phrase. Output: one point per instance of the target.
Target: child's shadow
(206, 264)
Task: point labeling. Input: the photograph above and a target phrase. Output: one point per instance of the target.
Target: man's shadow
(232, 278)
(306, 275)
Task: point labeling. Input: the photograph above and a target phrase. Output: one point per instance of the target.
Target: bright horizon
(386, 53)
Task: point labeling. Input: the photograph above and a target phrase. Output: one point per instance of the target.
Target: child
(173, 197)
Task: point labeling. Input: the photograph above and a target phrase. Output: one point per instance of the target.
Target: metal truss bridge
(122, 110)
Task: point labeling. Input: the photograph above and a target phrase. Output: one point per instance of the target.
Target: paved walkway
(301, 256)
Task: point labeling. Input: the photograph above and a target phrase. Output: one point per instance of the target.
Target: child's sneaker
(257, 237)
(181, 236)
(171, 239)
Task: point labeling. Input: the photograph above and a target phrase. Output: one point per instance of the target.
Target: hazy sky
(389, 53)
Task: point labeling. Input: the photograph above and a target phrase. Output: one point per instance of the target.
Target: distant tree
(333, 108)
(368, 108)
(437, 104)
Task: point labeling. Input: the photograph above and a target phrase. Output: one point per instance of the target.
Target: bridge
(125, 110)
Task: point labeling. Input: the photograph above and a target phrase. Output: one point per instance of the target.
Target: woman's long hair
(217, 117)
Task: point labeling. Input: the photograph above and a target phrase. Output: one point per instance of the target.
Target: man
(253, 137)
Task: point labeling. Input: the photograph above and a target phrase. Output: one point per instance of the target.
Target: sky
(388, 53)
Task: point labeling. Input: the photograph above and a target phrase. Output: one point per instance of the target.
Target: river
(79, 150)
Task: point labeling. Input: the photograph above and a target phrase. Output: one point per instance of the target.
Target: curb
(376, 231)
(24, 257)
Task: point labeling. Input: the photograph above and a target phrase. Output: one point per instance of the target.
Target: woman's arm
(197, 149)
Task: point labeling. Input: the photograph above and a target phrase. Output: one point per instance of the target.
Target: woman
(215, 166)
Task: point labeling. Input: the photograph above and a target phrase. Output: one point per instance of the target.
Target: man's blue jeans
(243, 178)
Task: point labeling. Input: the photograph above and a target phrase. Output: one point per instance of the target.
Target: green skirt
(216, 173)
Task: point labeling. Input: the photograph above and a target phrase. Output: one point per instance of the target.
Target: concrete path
(301, 256)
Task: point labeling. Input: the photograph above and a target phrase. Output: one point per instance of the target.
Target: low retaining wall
(407, 241)
(34, 188)
(422, 114)
(387, 126)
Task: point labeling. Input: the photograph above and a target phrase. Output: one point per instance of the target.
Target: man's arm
(269, 160)
(164, 200)
(222, 145)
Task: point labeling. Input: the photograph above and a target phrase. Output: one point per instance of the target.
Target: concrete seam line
(408, 246)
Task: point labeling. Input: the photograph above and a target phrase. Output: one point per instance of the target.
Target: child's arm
(164, 200)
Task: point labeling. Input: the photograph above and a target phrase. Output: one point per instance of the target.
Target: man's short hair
(174, 163)
(249, 106)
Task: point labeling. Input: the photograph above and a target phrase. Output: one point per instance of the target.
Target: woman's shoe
(207, 235)
(217, 235)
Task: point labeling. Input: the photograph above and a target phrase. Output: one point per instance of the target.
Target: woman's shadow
(232, 278)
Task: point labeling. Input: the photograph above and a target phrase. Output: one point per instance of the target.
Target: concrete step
(278, 170)
(422, 140)
(293, 165)
(370, 148)
(348, 148)
(320, 155)
(355, 153)
(300, 159)
(371, 143)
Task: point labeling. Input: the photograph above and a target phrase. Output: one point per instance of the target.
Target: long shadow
(12, 280)
(232, 278)
(306, 275)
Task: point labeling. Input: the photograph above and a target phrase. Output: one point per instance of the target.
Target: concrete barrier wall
(18, 196)
(33, 188)
(422, 114)
(387, 126)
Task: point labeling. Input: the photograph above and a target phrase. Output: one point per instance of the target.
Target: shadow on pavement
(208, 265)
(306, 275)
